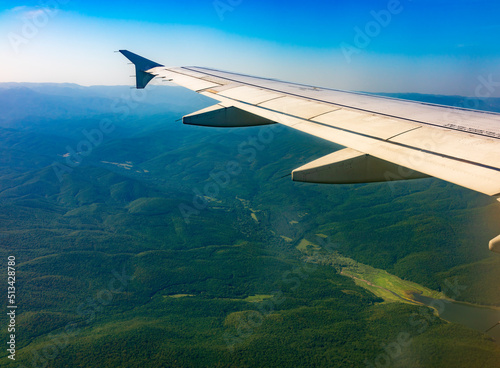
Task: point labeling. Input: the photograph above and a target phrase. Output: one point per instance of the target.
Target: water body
(476, 317)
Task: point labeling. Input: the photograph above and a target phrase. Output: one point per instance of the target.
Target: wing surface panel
(472, 121)
(251, 95)
(454, 144)
(368, 124)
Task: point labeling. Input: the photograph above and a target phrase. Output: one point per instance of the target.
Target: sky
(423, 46)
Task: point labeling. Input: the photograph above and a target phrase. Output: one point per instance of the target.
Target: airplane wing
(386, 138)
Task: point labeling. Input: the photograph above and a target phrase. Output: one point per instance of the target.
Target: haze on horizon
(437, 47)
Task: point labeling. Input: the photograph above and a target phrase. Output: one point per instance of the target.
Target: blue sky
(421, 46)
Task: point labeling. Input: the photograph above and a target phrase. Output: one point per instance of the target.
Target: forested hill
(143, 242)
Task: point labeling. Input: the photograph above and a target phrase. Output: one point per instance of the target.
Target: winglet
(142, 77)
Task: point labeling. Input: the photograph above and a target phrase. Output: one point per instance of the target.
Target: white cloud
(30, 12)
(18, 9)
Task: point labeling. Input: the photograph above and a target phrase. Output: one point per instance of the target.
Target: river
(478, 318)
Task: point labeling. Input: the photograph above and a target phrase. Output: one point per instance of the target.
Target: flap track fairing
(224, 117)
(349, 166)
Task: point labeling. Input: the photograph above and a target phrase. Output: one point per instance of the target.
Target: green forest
(165, 246)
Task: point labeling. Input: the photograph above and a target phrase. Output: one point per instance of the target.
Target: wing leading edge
(387, 139)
